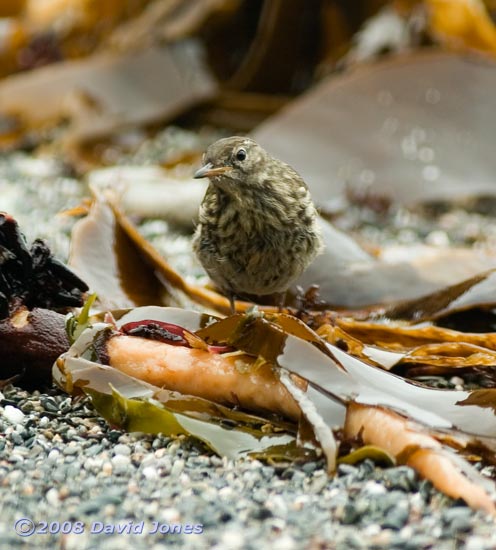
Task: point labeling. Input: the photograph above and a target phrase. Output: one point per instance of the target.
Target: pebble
(71, 450)
(130, 476)
(49, 404)
(53, 455)
(284, 542)
(457, 520)
(13, 415)
(78, 468)
(44, 422)
(373, 488)
(120, 464)
(177, 468)
(52, 497)
(123, 450)
(232, 540)
(150, 473)
(16, 438)
(396, 517)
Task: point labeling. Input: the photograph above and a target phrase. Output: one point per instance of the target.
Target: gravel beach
(61, 465)
(76, 482)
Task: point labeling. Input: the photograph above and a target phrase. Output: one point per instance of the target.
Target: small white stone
(300, 501)
(438, 238)
(226, 492)
(14, 477)
(19, 459)
(160, 453)
(74, 541)
(371, 530)
(52, 497)
(233, 540)
(277, 505)
(123, 450)
(53, 455)
(476, 543)
(285, 542)
(184, 479)
(149, 460)
(151, 509)
(91, 465)
(13, 415)
(373, 488)
(150, 472)
(406, 532)
(120, 463)
(437, 531)
(37, 168)
(44, 421)
(177, 467)
(170, 515)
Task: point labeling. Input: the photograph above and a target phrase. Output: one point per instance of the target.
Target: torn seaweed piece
(30, 341)
(135, 405)
(372, 452)
(156, 330)
(153, 416)
(322, 431)
(380, 407)
(33, 277)
(452, 305)
(345, 378)
(76, 324)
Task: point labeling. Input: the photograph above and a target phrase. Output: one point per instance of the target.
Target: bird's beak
(208, 171)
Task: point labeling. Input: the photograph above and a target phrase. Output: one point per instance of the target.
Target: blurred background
(241, 60)
(386, 108)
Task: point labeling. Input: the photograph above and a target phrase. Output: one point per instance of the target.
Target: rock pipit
(257, 228)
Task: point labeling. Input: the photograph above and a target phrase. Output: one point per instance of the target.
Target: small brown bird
(257, 228)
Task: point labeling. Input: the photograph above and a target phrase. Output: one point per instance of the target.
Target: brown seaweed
(30, 341)
(463, 24)
(109, 253)
(477, 293)
(345, 274)
(88, 92)
(346, 378)
(135, 405)
(387, 113)
(35, 289)
(337, 382)
(32, 277)
(102, 254)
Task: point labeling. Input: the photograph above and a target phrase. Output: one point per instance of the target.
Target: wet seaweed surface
(440, 337)
(360, 416)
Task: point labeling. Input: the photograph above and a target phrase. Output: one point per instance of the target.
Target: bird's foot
(309, 299)
(232, 302)
(280, 301)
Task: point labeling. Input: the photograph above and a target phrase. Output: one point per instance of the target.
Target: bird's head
(232, 161)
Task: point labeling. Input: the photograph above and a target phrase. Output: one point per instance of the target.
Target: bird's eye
(241, 154)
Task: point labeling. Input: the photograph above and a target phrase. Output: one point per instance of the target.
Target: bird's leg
(300, 298)
(232, 302)
(281, 300)
(308, 299)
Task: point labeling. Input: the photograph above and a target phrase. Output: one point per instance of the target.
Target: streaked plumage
(257, 228)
